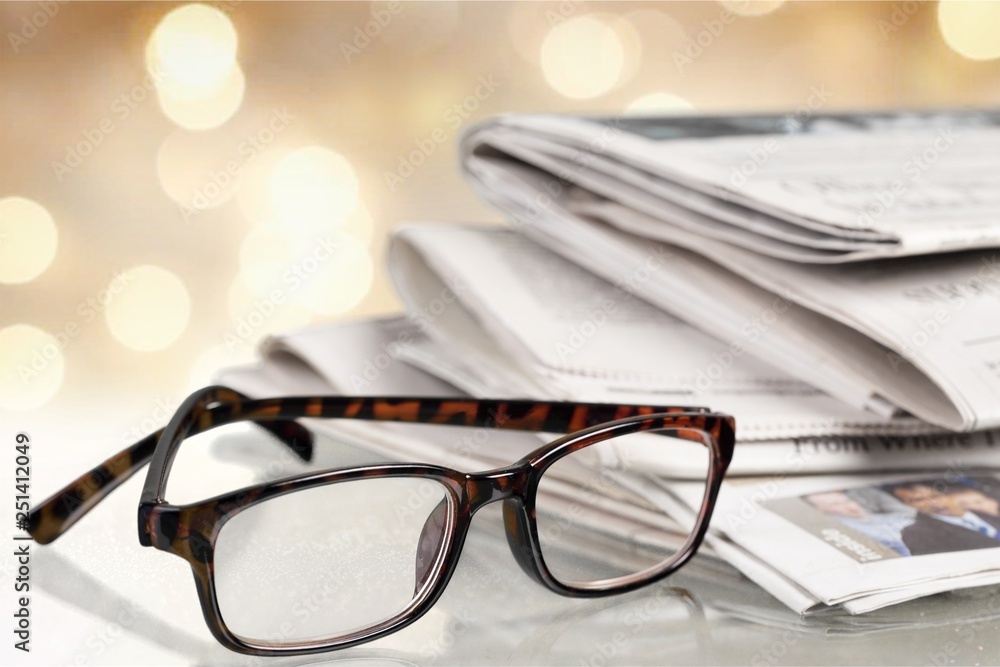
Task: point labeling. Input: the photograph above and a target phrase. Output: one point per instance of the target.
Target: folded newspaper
(495, 314)
(479, 299)
(856, 253)
(857, 544)
(830, 284)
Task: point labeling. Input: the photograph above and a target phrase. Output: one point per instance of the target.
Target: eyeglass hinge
(146, 518)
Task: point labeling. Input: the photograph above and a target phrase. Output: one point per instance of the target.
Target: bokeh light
(971, 29)
(192, 172)
(254, 195)
(359, 225)
(195, 109)
(314, 183)
(214, 359)
(194, 46)
(340, 283)
(527, 25)
(265, 255)
(659, 103)
(751, 7)
(326, 273)
(28, 240)
(253, 316)
(151, 311)
(582, 57)
(662, 35)
(31, 367)
(425, 27)
(220, 71)
(631, 44)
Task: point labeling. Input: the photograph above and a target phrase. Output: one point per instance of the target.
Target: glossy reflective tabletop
(100, 598)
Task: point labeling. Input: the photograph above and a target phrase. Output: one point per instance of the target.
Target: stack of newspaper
(831, 283)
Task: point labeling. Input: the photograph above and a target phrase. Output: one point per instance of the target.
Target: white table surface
(99, 598)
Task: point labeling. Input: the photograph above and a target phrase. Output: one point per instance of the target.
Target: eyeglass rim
(204, 570)
(213, 406)
(525, 544)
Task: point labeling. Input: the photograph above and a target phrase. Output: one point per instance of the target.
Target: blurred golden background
(180, 180)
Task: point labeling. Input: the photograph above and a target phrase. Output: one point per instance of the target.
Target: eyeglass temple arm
(508, 414)
(221, 405)
(58, 513)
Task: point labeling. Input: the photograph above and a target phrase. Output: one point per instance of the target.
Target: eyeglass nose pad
(429, 543)
(516, 521)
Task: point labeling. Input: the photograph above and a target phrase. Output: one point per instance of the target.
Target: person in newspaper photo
(913, 518)
(944, 521)
(979, 498)
(868, 511)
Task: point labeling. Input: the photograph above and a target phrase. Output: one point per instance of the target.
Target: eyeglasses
(327, 560)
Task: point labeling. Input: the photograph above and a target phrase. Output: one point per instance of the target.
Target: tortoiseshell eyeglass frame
(190, 531)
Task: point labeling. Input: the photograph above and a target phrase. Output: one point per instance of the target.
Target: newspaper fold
(499, 315)
(904, 330)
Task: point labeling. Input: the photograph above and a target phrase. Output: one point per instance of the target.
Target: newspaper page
(902, 347)
(938, 315)
(861, 543)
(578, 333)
(516, 305)
(819, 189)
(800, 455)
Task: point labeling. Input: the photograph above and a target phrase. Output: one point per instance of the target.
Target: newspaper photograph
(859, 543)
(913, 518)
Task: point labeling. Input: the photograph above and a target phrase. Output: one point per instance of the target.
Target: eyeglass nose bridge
(510, 485)
(480, 490)
(488, 487)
